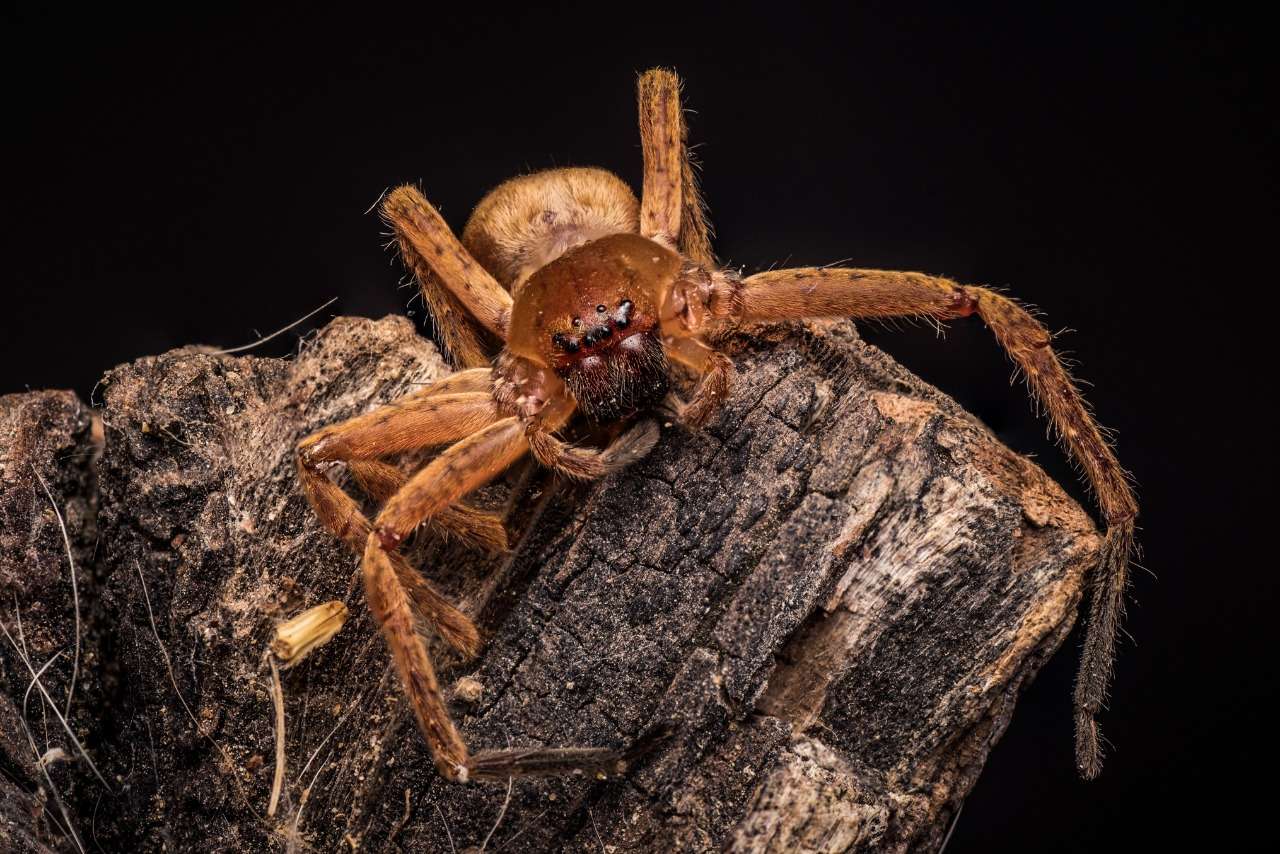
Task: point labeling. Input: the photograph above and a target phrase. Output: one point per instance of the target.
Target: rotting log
(835, 592)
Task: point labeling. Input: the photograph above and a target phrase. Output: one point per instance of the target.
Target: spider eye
(623, 317)
(577, 321)
(600, 309)
(564, 342)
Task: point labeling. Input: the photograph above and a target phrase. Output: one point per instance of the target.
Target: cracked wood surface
(836, 591)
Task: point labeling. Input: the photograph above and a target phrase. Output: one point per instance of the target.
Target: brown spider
(591, 294)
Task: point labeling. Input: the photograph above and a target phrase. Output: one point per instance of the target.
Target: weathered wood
(46, 439)
(835, 592)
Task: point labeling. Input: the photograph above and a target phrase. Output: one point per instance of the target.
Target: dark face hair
(620, 381)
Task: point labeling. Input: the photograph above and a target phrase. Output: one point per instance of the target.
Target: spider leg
(590, 463)
(399, 597)
(419, 421)
(463, 298)
(715, 372)
(671, 207)
(462, 468)
(381, 480)
(474, 379)
(544, 761)
(482, 455)
(819, 292)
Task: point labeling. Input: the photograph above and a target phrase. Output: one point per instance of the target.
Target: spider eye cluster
(590, 332)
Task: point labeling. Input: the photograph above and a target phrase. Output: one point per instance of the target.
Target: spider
(588, 296)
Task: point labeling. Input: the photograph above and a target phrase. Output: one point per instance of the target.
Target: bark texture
(835, 593)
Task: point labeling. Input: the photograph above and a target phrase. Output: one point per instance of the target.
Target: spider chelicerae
(589, 295)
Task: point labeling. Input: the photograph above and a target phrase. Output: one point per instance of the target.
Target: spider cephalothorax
(566, 294)
(591, 315)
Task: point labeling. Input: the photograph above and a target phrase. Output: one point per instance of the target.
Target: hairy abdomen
(527, 222)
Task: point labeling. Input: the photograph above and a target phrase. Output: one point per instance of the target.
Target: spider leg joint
(963, 302)
(388, 539)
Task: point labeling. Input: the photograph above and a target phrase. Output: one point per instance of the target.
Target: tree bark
(835, 593)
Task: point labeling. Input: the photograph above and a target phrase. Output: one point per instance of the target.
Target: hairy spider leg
(671, 208)
(393, 609)
(478, 528)
(552, 761)
(464, 300)
(424, 419)
(474, 379)
(380, 480)
(400, 599)
(464, 467)
(812, 292)
(715, 377)
(421, 420)
(580, 463)
(418, 420)
(479, 456)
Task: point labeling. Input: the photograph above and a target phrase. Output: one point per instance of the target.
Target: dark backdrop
(202, 179)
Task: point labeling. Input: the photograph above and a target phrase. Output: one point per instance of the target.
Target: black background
(206, 178)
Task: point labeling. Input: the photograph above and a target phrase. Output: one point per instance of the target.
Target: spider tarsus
(1097, 662)
(600, 762)
(1088, 750)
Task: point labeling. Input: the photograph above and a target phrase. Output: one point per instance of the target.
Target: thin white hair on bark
(75, 590)
(277, 333)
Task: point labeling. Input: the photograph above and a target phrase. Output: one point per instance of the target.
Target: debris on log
(835, 592)
(48, 442)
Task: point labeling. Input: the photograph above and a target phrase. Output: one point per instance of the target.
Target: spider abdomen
(527, 222)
